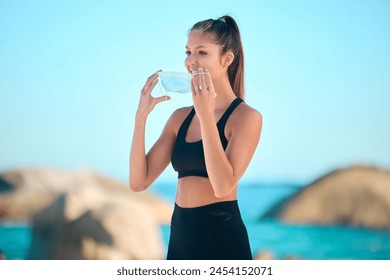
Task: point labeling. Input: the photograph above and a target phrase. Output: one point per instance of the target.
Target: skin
(242, 129)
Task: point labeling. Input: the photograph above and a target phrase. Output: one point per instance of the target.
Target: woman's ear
(227, 59)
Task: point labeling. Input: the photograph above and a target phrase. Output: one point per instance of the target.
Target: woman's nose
(190, 61)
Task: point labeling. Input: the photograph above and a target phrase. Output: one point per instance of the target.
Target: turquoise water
(281, 240)
(15, 240)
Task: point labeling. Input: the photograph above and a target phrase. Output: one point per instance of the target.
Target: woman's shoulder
(245, 121)
(179, 115)
(246, 112)
(182, 111)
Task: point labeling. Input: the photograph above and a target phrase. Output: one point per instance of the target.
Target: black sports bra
(187, 158)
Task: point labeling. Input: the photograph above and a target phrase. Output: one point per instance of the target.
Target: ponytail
(227, 35)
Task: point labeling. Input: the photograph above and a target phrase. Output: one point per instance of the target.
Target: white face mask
(179, 82)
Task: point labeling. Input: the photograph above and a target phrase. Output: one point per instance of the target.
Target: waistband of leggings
(210, 215)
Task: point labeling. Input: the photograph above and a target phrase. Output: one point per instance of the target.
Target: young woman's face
(202, 51)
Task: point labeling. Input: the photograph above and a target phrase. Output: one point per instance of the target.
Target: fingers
(198, 79)
(162, 99)
(150, 84)
(193, 87)
(209, 83)
(202, 82)
(207, 80)
(196, 86)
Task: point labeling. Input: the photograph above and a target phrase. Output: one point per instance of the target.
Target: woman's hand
(147, 101)
(203, 93)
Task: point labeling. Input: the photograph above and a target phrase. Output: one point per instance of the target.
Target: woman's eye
(200, 53)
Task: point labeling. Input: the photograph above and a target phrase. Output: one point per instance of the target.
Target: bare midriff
(194, 191)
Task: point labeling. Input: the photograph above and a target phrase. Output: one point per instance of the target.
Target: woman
(210, 144)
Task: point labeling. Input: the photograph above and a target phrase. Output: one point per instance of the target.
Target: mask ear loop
(159, 85)
(162, 92)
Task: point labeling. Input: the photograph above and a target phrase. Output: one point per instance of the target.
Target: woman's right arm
(144, 169)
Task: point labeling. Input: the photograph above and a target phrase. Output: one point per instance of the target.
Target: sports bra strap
(181, 134)
(222, 121)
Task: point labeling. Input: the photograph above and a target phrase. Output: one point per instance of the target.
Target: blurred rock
(118, 230)
(2, 256)
(264, 255)
(354, 196)
(83, 215)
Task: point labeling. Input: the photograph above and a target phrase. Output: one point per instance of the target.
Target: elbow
(223, 188)
(223, 192)
(136, 187)
(219, 195)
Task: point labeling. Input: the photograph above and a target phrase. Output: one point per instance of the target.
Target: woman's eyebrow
(198, 47)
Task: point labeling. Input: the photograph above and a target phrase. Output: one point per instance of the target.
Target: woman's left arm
(225, 168)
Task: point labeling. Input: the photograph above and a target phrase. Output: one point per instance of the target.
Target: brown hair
(227, 35)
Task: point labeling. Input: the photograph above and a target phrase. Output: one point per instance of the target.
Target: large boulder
(83, 215)
(115, 230)
(354, 196)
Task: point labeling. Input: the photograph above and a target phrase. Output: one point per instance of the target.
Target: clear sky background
(71, 73)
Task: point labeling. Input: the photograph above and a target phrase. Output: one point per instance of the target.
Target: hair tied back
(222, 19)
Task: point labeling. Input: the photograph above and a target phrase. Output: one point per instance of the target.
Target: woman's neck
(225, 95)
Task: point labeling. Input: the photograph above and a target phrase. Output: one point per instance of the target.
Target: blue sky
(71, 72)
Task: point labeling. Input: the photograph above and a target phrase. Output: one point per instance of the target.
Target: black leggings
(211, 232)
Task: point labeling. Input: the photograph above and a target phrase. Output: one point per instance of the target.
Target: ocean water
(15, 239)
(312, 242)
